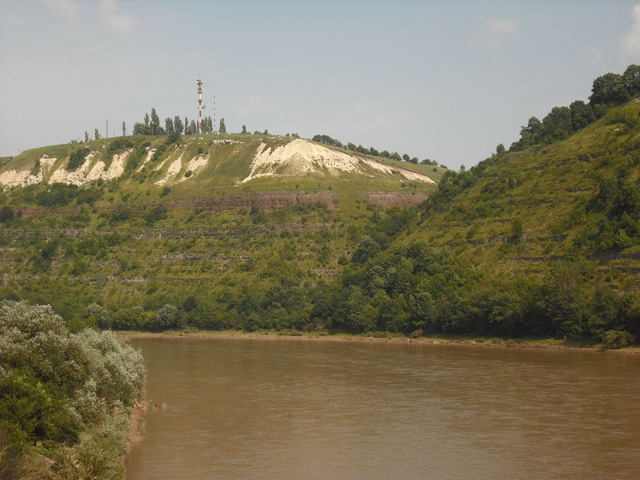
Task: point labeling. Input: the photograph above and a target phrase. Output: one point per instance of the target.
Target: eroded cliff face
(301, 157)
(50, 170)
(297, 158)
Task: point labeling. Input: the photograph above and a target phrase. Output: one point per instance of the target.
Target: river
(285, 409)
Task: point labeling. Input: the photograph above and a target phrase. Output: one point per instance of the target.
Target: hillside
(212, 162)
(519, 211)
(136, 223)
(254, 233)
(541, 241)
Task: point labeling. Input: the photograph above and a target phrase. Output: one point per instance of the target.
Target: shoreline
(136, 433)
(548, 343)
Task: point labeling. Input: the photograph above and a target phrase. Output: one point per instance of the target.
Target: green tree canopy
(168, 126)
(609, 89)
(178, 126)
(631, 78)
(581, 114)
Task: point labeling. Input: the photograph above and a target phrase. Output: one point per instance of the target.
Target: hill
(133, 224)
(210, 162)
(541, 241)
(264, 232)
(519, 211)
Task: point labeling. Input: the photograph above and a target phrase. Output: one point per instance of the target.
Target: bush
(121, 143)
(77, 158)
(55, 385)
(614, 339)
(167, 317)
(156, 214)
(6, 214)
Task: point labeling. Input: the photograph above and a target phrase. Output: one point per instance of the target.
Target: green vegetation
(539, 240)
(65, 398)
(327, 140)
(608, 90)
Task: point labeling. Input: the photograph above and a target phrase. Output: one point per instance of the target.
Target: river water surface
(284, 409)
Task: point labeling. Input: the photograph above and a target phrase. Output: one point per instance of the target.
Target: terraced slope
(519, 212)
(147, 221)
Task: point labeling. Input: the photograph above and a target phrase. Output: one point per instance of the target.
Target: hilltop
(213, 161)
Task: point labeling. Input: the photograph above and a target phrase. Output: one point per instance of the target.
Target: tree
(155, 122)
(86, 136)
(516, 231)
(557, 124)
(367, 249)
(532, 132)
(244, 129)
(6, 214)
(168, 126)
(146, 119)
(140, 129)
(631, 78)
(178, 127)
(406, 157)
(193, 127)
(96, 134)
(186, 126)
(609, 89)
(167, 317)
(223, 127)
(581, 114)
(500, 149)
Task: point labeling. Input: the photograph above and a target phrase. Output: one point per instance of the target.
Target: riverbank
(546, 343)
(136, 432)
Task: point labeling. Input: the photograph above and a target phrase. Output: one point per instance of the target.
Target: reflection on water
(258, 409)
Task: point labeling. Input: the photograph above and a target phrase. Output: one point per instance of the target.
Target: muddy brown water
(251, 409)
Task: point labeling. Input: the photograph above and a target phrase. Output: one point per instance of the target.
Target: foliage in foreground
(65, 399)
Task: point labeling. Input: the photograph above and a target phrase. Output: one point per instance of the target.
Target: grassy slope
(551, 191)
(228, 165)
(110, 251)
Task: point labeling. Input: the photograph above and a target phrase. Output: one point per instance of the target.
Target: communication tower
(200, 105)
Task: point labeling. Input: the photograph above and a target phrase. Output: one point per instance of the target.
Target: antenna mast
(200, 105)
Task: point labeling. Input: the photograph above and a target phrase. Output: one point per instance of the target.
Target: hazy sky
(445, 80)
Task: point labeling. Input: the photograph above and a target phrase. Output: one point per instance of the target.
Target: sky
(443, 80)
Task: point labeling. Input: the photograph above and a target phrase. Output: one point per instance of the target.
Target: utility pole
(214, 108)
(200, 105)
(107, 136)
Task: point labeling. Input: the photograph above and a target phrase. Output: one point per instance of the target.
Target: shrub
(614, 339)
(55, 385)
(77, 158)
(156, 214)
(167, 317)
(6, 214)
